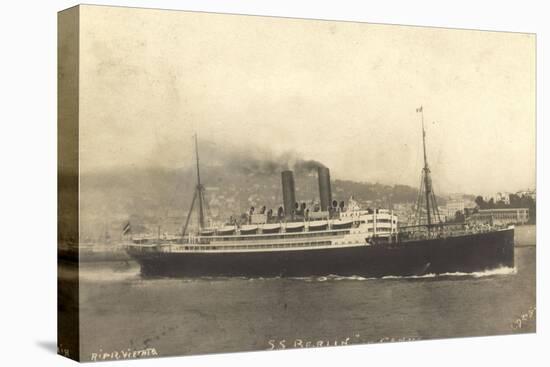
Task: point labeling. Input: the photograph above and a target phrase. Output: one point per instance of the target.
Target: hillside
(152, 197)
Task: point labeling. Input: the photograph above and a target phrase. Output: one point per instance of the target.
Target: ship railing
(269, 235)
(443, 230)
(271, 240)
(196, 247)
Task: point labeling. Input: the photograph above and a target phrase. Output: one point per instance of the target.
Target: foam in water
(475, 274)
(478, 274)
(108, 276)
(104, 275)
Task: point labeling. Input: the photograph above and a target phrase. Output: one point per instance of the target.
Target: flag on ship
(419, 109)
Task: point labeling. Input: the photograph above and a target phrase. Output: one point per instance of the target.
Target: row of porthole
(306, 244)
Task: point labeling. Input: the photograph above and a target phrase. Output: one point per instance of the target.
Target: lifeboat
(249, 229)
(342, 224)
(318, 225)
(271, 228)
(225, 231)
(207, 232)
(294, 227)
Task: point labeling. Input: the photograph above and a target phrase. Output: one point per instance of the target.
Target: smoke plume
(251, 160)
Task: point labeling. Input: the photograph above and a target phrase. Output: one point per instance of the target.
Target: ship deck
(293, 241)
(458, 253)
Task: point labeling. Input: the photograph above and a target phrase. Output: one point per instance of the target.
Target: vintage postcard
(236, 183)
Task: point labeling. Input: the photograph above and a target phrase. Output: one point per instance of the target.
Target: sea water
(123, 315)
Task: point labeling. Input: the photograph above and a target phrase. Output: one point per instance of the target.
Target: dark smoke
(244, 159)
(255, 160)
(308, 166)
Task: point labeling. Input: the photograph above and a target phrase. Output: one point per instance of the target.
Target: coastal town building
(452, 207)
(501, 216)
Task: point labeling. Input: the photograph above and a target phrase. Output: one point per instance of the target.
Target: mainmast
(426, 193)
(200, 188)
(198, 194)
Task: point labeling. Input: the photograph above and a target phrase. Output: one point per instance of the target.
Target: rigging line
(200, 188)
(189, 213)
(418, 167)
(172, 197)
(419, 199)
(427, 181)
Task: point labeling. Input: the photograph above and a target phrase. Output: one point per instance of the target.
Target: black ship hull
(468, 253)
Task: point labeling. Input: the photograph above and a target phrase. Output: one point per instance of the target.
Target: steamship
(331, 239)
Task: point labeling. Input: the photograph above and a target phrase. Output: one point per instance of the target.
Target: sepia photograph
(233, 183)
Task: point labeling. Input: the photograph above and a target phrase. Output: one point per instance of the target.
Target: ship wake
(502, 271)
(132, 274)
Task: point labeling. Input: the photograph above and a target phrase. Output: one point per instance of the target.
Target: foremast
(197, 195)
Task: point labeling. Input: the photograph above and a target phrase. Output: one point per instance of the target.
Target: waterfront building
(501, 216)
(452, 207)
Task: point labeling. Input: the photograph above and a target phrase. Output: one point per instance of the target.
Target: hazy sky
(338, 92)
